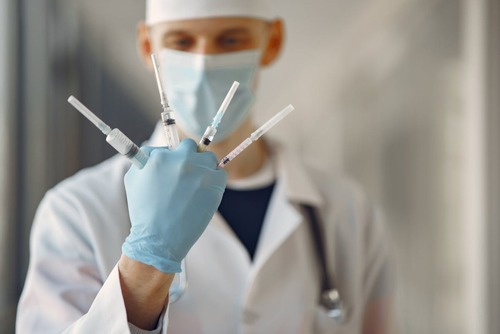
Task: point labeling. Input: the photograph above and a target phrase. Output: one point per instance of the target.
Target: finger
(188, 145)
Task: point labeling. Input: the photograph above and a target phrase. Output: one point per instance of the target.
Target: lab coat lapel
(282, 219)
(283, 215)
(221, 227)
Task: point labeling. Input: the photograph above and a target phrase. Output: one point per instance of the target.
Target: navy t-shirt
(244, 211)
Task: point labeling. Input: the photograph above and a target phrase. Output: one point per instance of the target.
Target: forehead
(210, 26)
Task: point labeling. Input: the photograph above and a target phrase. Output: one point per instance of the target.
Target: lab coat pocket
(324, 324)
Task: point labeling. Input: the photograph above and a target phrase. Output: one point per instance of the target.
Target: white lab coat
(73, 285)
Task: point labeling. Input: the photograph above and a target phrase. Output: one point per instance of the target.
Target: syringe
(114, 137)
(211, 130)
(167, 116)
(256, 135)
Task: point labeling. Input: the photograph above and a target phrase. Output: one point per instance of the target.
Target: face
(210, 36)
(213, 36)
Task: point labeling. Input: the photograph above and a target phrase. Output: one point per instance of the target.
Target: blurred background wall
(9, 277)
(399, 95)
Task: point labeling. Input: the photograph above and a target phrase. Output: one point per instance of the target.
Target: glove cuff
(162, 264)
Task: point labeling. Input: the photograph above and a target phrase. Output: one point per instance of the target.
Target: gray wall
(8, 277)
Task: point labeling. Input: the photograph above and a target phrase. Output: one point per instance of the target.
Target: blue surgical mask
(196, 85)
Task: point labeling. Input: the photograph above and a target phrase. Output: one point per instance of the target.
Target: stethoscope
(329, 299)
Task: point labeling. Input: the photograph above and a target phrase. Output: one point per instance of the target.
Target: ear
(144, 45)
(274, 44)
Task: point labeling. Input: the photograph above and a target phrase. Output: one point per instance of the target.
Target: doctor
(107, 242)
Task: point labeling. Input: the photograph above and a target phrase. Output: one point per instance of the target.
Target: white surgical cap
(170, 10)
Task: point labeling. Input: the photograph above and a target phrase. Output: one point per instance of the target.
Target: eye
(229, 41)
(234, 41)
(178, 42)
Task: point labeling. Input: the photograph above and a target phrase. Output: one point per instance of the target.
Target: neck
(250, 160)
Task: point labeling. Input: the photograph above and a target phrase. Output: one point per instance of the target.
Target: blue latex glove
(170, 202)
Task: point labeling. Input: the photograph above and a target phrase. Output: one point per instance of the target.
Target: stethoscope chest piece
(334, 307)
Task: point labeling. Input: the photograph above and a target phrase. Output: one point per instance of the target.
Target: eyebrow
(235, 31)
(173, 33)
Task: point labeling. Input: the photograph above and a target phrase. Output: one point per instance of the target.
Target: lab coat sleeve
(161, 328)
(107, 313)
(64, 290)
(378, 277)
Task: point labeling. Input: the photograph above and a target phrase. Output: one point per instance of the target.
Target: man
(104, 254)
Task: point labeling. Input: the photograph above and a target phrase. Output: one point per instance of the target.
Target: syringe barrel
(168, 117)
(207, 138)
(234, 153)
(170, 129)
(172, 136)
(126, 147)
(140, 158)
(210, 133)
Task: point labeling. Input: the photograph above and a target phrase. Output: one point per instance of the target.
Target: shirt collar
(299, 186)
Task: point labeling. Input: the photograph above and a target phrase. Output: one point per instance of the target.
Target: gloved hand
(170, 202)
